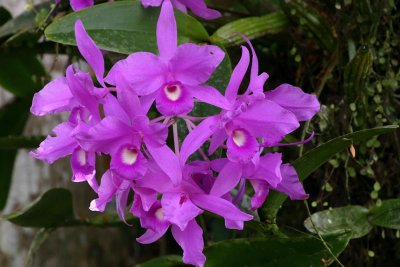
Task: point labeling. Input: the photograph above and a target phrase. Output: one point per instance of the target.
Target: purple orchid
(77, 94)
(169, 190)
(179, 206)
(174, 77)
(198, 7)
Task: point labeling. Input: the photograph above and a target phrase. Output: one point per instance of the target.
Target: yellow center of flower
(173, 91)
(129, 155)
(239, 137)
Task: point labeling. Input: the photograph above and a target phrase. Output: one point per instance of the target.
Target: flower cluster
(170, 190)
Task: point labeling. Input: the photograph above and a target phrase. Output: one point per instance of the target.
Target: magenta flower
(174, 77)
(77, 94)
(198, 7)
(179, 206)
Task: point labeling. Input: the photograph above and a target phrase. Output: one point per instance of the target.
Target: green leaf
(24, 22)
(296, 251)
(311, 161)
(53, 208)
(13, 118)
(386, 215)
(166, 261)
(5, 15)
(21, 72)
(16, 142)
(123, 27)
(252, 28)
(357, 73)
(338, 220)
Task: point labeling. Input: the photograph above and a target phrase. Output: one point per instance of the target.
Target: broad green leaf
(386, 215)
(24, 22)
(296, 251)
(357, 73)
(166, 261)
(123, 27)
(252, 28)
(312, 20)
(337, 220)
(13, 117)
(53, 208)
(5, 15)
(15, 142)
(311, 161)
(21, 72)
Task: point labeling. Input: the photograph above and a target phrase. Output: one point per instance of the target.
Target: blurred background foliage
(344, 51)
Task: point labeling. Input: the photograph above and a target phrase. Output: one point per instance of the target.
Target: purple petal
(194, 64)
(227, 179)
(217, 140)
(122, 200)
(178, 209)
(304, 106)
(167, 36)
(167, 161)
(90, 52)
(147, 196)
(53, 98)
(209, 95)
(106, 136)
(108, 188)
(151, 236)
(147, 3)
(269, 120)
(144, 72)
(237, 75)
(261, 190)
(269, 169)
(191, 242)
(113, 108)
(199, 8)
(82, 88)
(256, 81)
(53, 148)
(83, 165)
(220, 206)
(218, 164)
(80, 4)
(197, 137)
(155, 179)
(242, 146)
(290, 184)
(174, 99)
(129, 162)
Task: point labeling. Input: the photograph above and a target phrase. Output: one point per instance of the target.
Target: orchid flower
(77, 94)
(179, 206)
(198, 7)
(174, 77)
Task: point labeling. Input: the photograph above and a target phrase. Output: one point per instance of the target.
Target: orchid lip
(239, 137)
(159, 214)
(173, 91)
(82, 157)
(129, 155)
